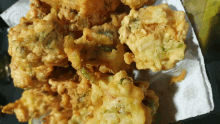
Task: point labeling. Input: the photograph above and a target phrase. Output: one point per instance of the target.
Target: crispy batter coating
(32, 104)
(112, 99)
(58, 117)
(135, 4)
(151, 99)
(26, 77)
(36, 46)
(83, 13)
(38, 9)
(121, 101)
(178, 78)
(74, 89)
(155, 36)
(98, 47)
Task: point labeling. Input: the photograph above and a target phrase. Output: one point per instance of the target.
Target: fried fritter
(99, 47)
(121, 101)
(35, 47)
(155, 35)
(32, 104)
(73, 88)
(112, 99)
(135, 4)
(83, 13)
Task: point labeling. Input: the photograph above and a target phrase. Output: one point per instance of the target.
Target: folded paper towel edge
(23, 4)
(203, 70)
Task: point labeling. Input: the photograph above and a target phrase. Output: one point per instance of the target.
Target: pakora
(99, 47)
(32, 104)
(112, 99)
(83, 13)
(36, 46)
(156, 36)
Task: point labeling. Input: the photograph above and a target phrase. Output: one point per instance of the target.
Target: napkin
(188, 98)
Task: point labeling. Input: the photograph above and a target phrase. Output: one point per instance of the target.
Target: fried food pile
(73, 58)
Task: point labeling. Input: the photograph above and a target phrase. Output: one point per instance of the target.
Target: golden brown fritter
(99, 47)
(83, 13)
(156, 36)
(73, 88)
(32, 104)
(112, 99)
(35, 47)
(135, 4)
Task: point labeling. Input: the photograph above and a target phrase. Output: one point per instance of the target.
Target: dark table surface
(8, 93)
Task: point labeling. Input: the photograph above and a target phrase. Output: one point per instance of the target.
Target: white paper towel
(189, 98)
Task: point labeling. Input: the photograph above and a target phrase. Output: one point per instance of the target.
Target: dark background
(8, 93)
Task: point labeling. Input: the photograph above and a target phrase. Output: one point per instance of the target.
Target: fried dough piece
(155, 35)
(83, 13)
(32, 104)
(35, 47)
(99, 47)
(135, 4)
(178, 78)
(112, 99)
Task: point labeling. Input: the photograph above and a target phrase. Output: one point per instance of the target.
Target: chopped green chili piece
(106, 48)
(85, 73)
(180, 45)
(123, 79)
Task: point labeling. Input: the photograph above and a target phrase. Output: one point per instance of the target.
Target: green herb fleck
(134, 20)
(163, 48)
(47, 40)
(84, 95)
(81, 98)
(106, 48)
(122, 81)
(26, 88)
(37, 38)
(109, 34)
(151, 104)
(85, 73)
(106, 111)
(180, 45)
